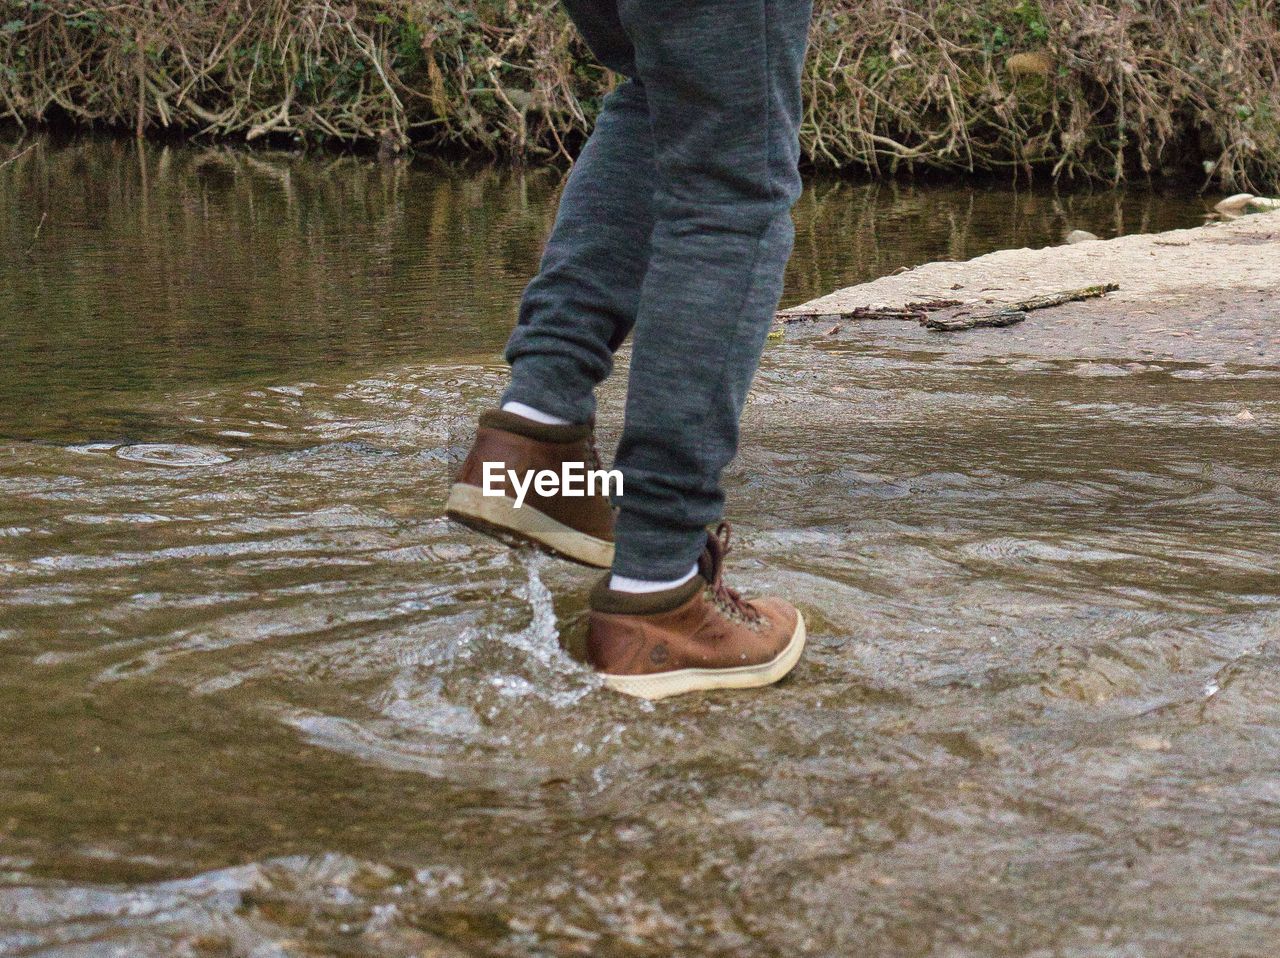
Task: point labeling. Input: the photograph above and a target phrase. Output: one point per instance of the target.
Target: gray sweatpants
(675, 224)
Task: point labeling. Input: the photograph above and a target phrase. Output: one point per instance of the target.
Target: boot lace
(726, 599)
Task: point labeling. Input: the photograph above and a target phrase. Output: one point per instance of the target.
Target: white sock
(537, 415)
(620, 583)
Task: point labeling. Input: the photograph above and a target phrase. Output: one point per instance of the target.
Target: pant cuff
(552, 386)
(652, 551)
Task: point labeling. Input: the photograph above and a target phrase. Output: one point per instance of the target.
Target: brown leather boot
(574, 527)
(700, 635)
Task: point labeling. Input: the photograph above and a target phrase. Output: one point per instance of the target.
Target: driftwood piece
(1007, 316)
(917, 311)
(1013, 313)
(953, 315)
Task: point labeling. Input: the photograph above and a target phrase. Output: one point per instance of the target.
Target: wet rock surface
(1207, 294)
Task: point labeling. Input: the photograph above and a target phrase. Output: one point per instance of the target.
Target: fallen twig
(17, 156)
(35, 237)
(1069, 296)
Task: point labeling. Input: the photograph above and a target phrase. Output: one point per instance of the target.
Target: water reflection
(131, 269)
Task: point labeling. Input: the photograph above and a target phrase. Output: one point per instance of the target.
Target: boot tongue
(712, 559)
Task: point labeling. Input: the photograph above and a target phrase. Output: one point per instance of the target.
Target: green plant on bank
(1075, 88)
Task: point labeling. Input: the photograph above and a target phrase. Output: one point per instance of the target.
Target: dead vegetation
(1068, 88)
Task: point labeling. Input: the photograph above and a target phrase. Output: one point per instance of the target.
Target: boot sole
(499, 517)
(665, 684)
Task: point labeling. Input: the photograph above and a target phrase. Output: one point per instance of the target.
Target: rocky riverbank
(1209, 294)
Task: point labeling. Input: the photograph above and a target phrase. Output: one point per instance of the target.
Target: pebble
(1246, 203)
(1234, 204)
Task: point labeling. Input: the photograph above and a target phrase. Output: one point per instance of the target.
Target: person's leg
(575, 313)
(583, 302)
(722, 84)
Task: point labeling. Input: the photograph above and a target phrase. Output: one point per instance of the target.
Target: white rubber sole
(665, 684)
(499, 515)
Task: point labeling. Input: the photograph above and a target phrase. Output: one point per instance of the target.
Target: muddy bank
(1208, 294)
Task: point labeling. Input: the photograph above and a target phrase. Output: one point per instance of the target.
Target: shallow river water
(259, 699)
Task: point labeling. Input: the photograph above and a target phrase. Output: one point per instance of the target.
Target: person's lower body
(674, 228)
